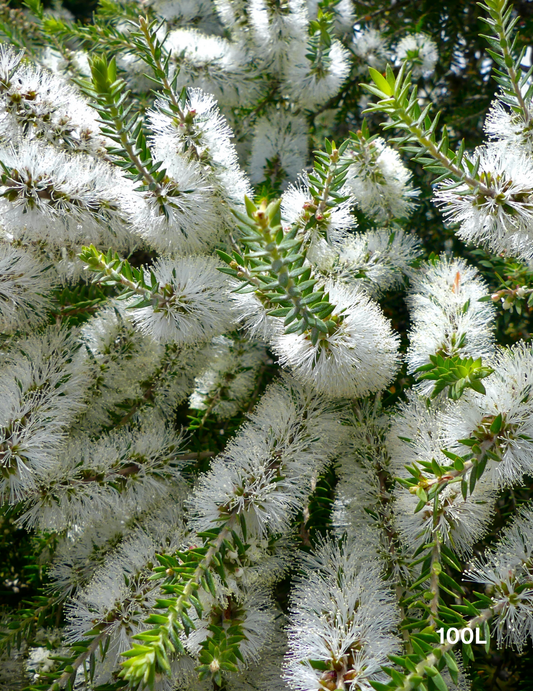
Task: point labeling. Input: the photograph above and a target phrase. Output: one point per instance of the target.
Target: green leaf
(380, 81)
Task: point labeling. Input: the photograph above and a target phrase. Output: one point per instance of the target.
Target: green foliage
(319, 44)
(111, 270)
(185, 573)
(503, 41)
(273, 267)
(398, 98)
(456, 373)
(77, 304)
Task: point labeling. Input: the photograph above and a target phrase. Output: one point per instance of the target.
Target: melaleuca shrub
(199, 437)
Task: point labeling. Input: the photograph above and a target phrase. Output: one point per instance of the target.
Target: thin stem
(436, 568)
(145, 29)
(322, 206)
(444, 160)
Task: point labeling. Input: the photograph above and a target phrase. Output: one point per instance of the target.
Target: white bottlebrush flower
(266, 472)
(183, 216)
(418, 435)
(25, 286)
(504, 125)
(119, 598)
(378, 259)
(71, 63)
(48, 195)
(43, 379)
(279, 147)
(274, 26)
(371, 48)
(83, 549)
(506, 572)
(245, 481)
(38, 103)
(379, 181)
(359, 357)
(508, 393)
(499, 213)
(333, 225)
(193, 304)
(121, 359)
(310, 87)
(206, 142)
(420, 51)
(460, 522)
(447, 315)
(415, 434)
(213, 64)
(127, 467)
(230, 378)
(131, 372)
(343, 616)
(358, 509)
(266, 673)
(251, 314)
(263, 564)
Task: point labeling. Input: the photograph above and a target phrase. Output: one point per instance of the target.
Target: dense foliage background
(462, 88)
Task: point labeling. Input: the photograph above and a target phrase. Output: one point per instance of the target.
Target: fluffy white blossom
(40, 198)
(506, 572)
(311, 87)
(343, 616)
(275, 26)
(360, 508)
(508, 393)
(40, 104)
(203, 146)
(255, 614)
(131, 372)
(183, 216)
(195, 304)
(43, 379)
(119, 597)
(378, 259)
(265, 473)
(84, 548)
(230, 378)
(503, 124)
(420, 51)
(212, 64)
(447, 315)
(359, 357)
(460, 522)
(125, 467)
(498, 214)
(279, 147)
(336, 222)
(370, 46)
(25, 286)
(380, 182)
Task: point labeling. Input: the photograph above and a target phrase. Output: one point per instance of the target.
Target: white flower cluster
(342, 621)
(448, 317)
